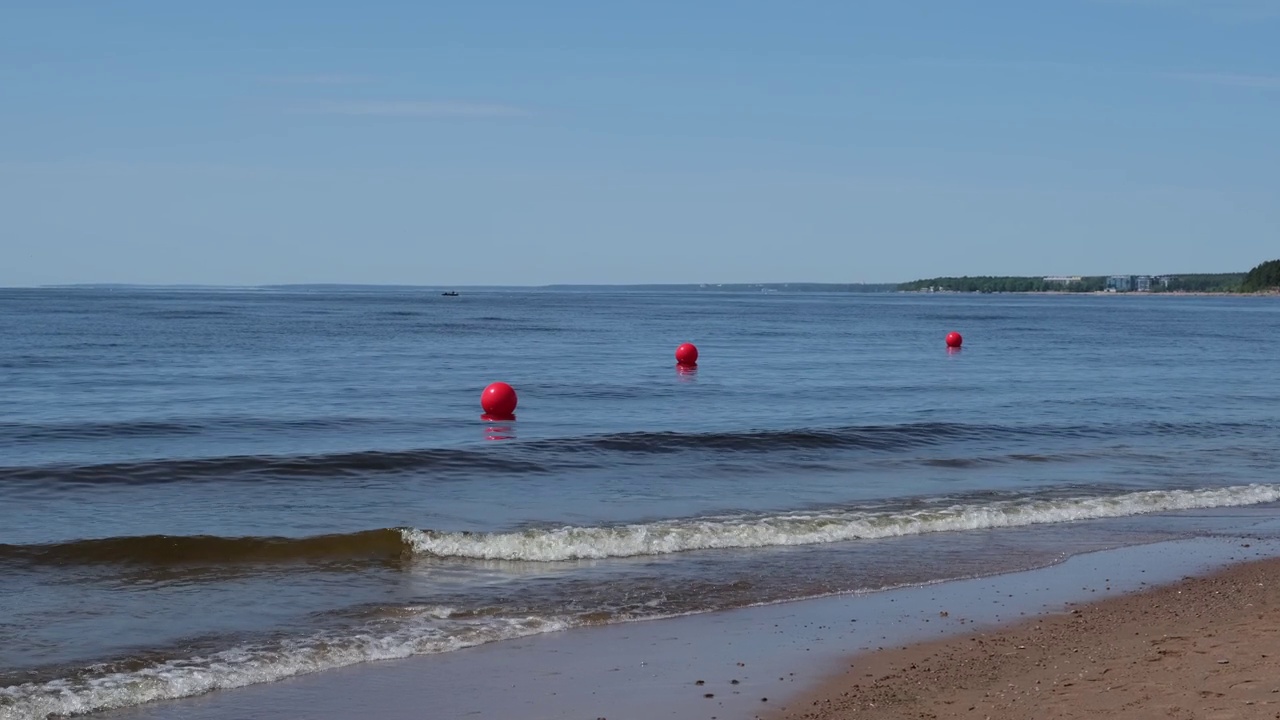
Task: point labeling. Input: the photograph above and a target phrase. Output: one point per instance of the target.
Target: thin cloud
(1231, 79)
(317, 79)
(1239, 80)
(416, 108)
(980, 64)
(1228, 10)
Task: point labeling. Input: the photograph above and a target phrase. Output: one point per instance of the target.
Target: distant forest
(1262, 278)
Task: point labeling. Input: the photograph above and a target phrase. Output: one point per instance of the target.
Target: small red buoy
(498, 400)
(687, 355)
(954, 340)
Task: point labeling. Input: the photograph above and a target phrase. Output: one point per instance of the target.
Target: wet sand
(1201, 648)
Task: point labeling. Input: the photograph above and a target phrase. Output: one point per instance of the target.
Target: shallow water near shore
(211, 489)
(777, 654)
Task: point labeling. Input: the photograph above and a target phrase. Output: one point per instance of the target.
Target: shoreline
(1205, 646)
(1170, 293)
(776, 653)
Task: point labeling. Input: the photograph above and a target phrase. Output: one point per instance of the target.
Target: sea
(205, 489)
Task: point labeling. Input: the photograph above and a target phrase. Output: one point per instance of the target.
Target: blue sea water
(211, 488)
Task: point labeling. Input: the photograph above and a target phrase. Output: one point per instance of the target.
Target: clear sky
(525, 142)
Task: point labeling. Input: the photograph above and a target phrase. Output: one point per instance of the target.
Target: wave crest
(808, 528)
(662, 537)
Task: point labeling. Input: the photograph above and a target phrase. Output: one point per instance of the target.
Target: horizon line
(438, 286)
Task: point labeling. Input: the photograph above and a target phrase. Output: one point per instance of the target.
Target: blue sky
(590, 142)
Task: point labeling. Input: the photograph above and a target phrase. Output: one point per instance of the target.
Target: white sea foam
(251, 665)
(435, 629)
(808, 528)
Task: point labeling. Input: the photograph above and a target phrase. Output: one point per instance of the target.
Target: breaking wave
(254, 664)
(808, 528)
(662, 537)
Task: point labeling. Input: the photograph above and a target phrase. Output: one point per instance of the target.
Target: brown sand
(1204, 649)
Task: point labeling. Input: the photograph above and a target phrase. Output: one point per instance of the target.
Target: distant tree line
(1004, 284)
(1263, 277)
(1219, 282)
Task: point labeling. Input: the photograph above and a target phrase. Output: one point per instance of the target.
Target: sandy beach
(1200, 648)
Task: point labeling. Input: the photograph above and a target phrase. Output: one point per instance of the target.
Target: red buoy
(954, 340)
(687, 355)
(498, 400)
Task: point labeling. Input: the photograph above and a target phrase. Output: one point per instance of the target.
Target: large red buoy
(498, 400)
(954, 340)
(687, 355)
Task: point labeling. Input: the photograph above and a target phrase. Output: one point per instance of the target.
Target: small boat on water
(451, 293)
